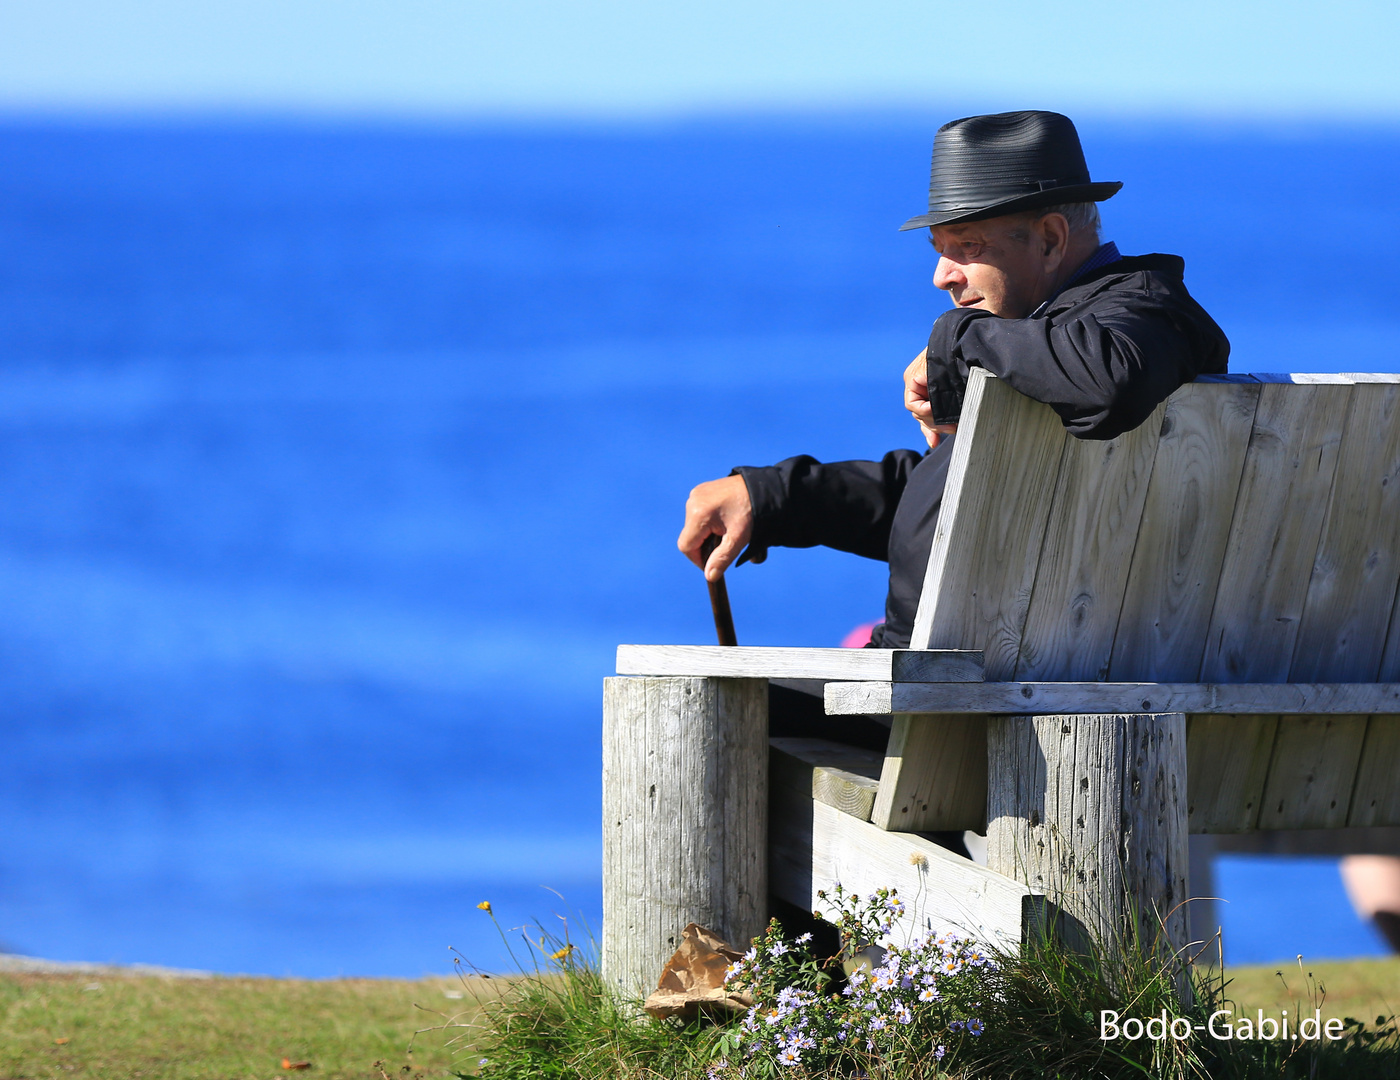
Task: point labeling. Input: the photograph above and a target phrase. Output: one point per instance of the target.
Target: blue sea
(336, 459)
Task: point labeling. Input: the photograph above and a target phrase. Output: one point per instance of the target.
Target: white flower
(804, 939)
(778, 949)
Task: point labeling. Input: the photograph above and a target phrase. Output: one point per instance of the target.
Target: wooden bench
(1190, 628)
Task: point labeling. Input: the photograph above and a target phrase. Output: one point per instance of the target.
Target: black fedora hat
(986, 166)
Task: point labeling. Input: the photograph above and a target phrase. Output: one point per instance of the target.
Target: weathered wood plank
(685, 818)
(1227, 760)
(1379, 840)
(1185, 528)
(844, 777)
(1352, 588)
(1028, 698)
(1091, 810)
(1274, 533)
(769, 662)
(815, 846)
(1361, 377)
(934, 775)
(987, 543)
(1375, 800)
(1088, 548)
(1312, 772)
(1390, 657)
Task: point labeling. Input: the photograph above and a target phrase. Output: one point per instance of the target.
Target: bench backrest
(1249, 531)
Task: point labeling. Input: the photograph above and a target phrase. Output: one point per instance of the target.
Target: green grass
(1040, 1008)
(144, 1026)
(159, 1028)
(1361, 988)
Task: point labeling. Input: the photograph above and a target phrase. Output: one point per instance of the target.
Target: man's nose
(948, 274)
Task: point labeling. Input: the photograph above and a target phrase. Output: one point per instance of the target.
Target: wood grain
(1351, 591)
(843, 777)
(987, 542)
(1274, 533)
(769, 662)
(1088, 548)
(815, 846)
(1227, 762)
(934, 775)
(1312, 772)
(1185, 528)
(1375, 799)
(1018, 698)
(685, 818)
(1091, 810)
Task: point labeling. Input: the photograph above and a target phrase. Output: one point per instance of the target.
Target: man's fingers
(916, 374)
(916, 389)
(721, 557)
(693, 535)
(717, 508)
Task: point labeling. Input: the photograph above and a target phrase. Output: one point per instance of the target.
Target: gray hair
(1083, 217)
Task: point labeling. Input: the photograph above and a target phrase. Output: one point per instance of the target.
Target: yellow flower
(562, 954)
(485, 906)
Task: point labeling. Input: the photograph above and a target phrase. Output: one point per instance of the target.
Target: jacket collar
(1106, 255)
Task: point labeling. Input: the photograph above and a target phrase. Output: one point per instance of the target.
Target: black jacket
(1103, 354)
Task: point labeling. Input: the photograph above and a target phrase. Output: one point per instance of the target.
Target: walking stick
(719, 599)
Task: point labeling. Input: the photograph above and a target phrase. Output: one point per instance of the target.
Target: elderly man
(1100, 337)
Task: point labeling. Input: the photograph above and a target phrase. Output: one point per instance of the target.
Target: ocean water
(336, 460)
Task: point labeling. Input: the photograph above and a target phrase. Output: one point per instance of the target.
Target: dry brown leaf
(693, 979)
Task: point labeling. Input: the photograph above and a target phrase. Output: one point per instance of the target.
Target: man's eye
(971, 249)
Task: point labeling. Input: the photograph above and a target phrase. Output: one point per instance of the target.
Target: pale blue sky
(614, 57)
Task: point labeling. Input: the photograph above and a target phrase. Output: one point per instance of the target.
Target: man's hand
(717, 508)
(916, 400)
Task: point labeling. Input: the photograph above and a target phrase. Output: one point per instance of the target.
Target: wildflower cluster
(898, 1003)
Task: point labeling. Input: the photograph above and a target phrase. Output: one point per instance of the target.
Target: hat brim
(1074, 193)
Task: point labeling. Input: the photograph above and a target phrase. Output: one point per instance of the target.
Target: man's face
(998, 265)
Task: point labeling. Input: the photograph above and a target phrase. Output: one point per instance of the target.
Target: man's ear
(1054, 239)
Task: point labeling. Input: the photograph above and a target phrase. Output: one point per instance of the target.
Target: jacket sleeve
(847, 505)
(1103, 371)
